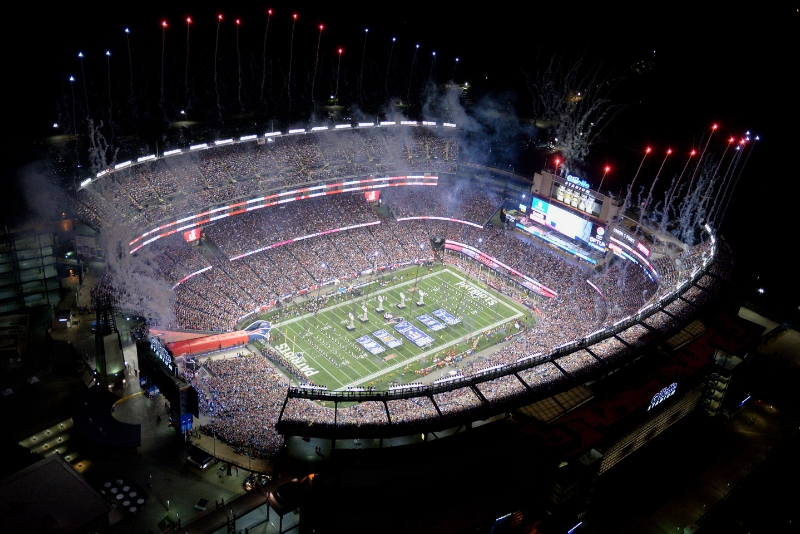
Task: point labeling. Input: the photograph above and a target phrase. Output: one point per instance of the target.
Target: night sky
(729, 64)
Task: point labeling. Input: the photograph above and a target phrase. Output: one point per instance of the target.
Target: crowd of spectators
(680, 308)
(536, 342)
(577, 363)
(542, 376)
(633, 335)
(144, 193)
(696, 296)
(660, 321)
(411, 410)
(709, 283)
(254, 230)
(609, 349)
(457, 401)
(466, 200)
(175, 260)
(626, 289)
(501, 388)
(367, 412)
(298, 410)
(245, 394)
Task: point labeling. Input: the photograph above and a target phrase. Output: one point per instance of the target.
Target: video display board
(631, 240)
(191, 235)
(566, 222)
(599, 238)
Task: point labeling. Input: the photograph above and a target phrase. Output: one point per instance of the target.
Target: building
(50, 496)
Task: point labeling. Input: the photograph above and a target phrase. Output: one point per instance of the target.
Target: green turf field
(323, 348)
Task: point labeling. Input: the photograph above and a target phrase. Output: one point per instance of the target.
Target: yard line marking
(427, 353)
(350, 302)
(490, 311)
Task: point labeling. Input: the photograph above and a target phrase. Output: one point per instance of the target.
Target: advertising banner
(191, 235)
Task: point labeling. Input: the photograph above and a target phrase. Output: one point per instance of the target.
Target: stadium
(369, 279)
(339, 307)
(323, 239)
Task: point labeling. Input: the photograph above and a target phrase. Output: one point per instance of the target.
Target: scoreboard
(568, 222)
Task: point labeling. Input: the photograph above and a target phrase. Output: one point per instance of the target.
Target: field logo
(258, 330)
(477, 294)
(296, 359)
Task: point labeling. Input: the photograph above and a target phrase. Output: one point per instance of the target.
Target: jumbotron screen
(563, 221)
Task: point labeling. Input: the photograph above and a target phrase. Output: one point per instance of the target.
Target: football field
(370, 340)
